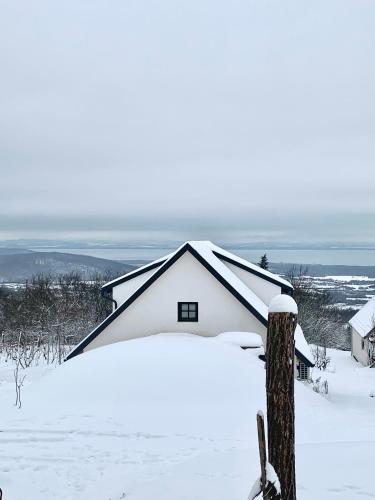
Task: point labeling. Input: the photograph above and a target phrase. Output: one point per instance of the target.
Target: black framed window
(187, 311)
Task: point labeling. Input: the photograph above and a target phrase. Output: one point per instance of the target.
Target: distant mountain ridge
(324, 269)
(263, 246)
(18, 267)
(14, 251)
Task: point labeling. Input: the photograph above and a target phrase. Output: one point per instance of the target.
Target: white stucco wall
(265, 290)
(360, 354)
(122, 292)
(155, 311)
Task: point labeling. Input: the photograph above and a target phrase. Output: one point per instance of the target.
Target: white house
(201, 289)
(362, 326)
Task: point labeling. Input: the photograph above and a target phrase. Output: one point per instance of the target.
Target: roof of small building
(364, 321)
(302, 346)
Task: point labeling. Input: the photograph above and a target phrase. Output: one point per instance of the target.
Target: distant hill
(325, 269)
(17, 267)
(314, 270)
(13, 251)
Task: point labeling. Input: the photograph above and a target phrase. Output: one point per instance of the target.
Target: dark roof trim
(131, 275)
(300, 356)
(303, 358)
(167, 264)
(285, 288)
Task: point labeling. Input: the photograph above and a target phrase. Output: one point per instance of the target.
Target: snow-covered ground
(174, 418)
(349, 292)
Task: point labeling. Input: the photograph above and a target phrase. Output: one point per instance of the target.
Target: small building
(362, 327)
(201, 289)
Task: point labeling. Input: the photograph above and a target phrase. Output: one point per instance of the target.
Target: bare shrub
(320, 386)
(321, 359)
(18, 380)
(44, 317)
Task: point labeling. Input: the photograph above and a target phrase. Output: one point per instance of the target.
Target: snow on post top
(283, 304)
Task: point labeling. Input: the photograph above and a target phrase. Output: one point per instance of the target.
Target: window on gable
(187, 311)
(363, 344)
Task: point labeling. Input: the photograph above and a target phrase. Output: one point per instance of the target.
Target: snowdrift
(172, 417)
(183, 382)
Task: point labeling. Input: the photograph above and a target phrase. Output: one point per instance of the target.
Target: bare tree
(322, 323)
(18, 379)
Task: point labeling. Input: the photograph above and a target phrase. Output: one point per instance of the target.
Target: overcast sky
(227, 120)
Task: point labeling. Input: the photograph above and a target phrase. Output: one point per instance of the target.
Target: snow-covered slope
(172, 417)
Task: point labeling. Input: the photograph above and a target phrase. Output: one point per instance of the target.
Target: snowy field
(174, 418)
(349, 292)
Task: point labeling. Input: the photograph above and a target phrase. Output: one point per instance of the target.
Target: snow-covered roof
(364, 321)
(302, 346)
(208, 250)
(140, 270)
(249, 339)
(245, 263)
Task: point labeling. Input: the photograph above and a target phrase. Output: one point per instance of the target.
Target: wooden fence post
(262, 451)
(282, 321)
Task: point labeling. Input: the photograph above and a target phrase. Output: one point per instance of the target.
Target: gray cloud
(254, 226)
(188, 119)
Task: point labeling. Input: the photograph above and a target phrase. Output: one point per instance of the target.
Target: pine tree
(263, 263)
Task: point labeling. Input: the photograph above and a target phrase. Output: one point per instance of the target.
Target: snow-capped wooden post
(282, 321)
